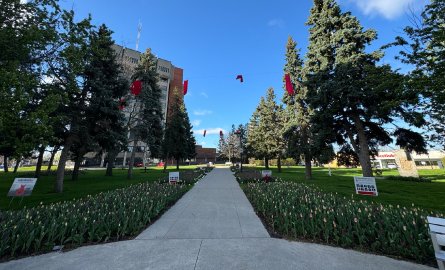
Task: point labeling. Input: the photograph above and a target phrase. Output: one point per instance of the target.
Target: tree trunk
(279, 164)
(60, 174)
(363, 154)
(51, 160)
(39, 162)
(17, 163)
(110, 156)
(75, 175)
(5, 163)
(308, 166)
(165, 164)
(102, 159)
(266, 163)
(130, 164)
(177, 164)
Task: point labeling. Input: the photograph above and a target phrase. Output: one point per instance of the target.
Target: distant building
(432, 160)
(204, 155)
(170, 77)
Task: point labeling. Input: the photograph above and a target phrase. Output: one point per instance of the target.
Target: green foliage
(252, 176)
(409, 179)
(263, 137)
(26, 43)
(105, 217)
(106, 84)
(298, 211)
(352, 96)
(179, 141)
(347, 157)
(427, 53)
(274, 162)
(146, 124)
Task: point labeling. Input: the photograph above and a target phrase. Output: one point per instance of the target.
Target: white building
(432, 160)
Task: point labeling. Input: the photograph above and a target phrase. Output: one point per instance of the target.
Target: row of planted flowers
(299, 211)
(103, 217)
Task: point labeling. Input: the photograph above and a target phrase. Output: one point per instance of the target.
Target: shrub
(298, 211)
(103, 217)
(252, 176)
(409, 179)
(188, 177)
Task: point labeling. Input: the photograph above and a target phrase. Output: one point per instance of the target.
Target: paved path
(212, 227)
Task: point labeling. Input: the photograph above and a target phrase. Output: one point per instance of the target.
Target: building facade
(204, 155)
(170, 79)
(433, 160)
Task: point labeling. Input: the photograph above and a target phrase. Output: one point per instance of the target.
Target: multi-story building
(170, 79)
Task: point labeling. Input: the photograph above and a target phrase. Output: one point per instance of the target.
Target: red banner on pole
(186, 85)
(289, 86)
(136, 87)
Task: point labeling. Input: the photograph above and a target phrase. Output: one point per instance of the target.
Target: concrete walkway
(212, 227)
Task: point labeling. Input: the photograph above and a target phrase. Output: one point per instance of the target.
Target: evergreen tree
(353, 97)
(178, 142)
(263, 135)
(297, 129)
(190, 138)
(255, 139)
(107, 85)
(145, 119)
(427, 54)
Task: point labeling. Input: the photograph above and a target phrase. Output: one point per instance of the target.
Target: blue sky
(214, 41)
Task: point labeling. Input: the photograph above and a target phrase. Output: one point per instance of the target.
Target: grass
(89, 183)
(429, 196)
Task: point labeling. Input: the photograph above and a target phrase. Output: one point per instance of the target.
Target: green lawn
(429, 196)
(90, 182)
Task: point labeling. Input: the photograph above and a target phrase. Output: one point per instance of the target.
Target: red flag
(136, 87)
(221, 133)
(240, 77)
(205, 131)
(186, 85)
(289, 86)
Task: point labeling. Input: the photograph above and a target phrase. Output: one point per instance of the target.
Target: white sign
(22, 187)
(173, 177)
(365, 186)
(266, 173)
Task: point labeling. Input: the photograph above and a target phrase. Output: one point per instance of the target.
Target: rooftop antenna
(139, 34)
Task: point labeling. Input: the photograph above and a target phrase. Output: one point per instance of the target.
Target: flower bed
(252, 176)
(189, 177)
(298, 211)
(104, 217)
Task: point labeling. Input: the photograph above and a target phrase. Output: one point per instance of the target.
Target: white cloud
(202, 112)
(202, 143)
(210, 131)
(196, 123)
(276, 23)
(23, 1)
(390, 9)
(204, 94)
